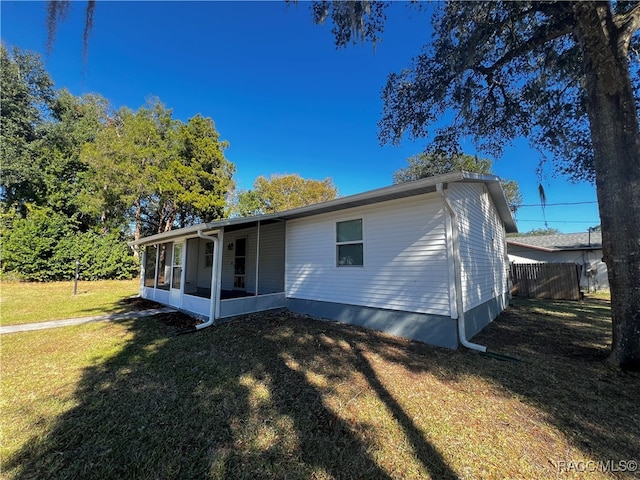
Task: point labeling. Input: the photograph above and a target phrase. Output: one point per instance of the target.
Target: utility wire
(558, 221)
(554, 204)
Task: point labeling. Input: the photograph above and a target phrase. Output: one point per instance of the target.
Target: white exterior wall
(405, 262)
(482, 244)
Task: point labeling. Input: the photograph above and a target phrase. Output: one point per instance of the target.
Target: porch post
(218, 274)
(143, 273)
(257, 259)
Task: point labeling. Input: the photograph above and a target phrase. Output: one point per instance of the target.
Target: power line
(559, 221)
(554, 204)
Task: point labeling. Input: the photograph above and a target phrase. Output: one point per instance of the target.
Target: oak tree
(27, 96)
(566, 75)
(283, 192)
(437, 163)
(157, 171)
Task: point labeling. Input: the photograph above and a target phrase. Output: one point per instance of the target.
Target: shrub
(45, 245)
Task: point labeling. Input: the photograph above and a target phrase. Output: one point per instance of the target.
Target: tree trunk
(615, 134)
(167, 215)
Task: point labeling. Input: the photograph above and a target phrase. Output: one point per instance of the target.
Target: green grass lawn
(37, 302)
(285, 396)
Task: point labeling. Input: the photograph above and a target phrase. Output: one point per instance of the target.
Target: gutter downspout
(214, 280)
(457, 267)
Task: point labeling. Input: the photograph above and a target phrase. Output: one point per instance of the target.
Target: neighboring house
(424, 260)
(584, 249)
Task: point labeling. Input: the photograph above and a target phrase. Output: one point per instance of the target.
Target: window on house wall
(164, 265)
(150, 266)
(349, 243)
(208, 255)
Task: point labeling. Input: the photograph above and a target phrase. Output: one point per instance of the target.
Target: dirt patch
(139, 303)
(174, 321)
(177, 321)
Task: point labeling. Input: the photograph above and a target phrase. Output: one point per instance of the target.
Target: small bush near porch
(284, 396)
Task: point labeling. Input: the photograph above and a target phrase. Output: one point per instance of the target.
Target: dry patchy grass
(284, 396)
(24, 302)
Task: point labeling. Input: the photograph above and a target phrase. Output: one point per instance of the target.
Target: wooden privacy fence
(559, 281)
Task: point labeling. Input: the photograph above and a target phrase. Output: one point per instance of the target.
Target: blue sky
(278, 90)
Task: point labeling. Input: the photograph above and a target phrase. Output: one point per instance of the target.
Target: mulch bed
(176, 321)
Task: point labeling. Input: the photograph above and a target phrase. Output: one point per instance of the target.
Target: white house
(425, 260)
(584, 249)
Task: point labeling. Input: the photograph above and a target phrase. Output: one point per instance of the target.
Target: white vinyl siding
(482, 244)
(404, 246)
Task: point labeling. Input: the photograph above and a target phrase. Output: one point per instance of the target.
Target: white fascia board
(400, 190)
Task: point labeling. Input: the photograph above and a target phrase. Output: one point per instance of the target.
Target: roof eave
(401, 190)
(556, 249)
(204, 227)
(425, 185)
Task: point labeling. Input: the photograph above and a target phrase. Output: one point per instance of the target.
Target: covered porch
(216, 270)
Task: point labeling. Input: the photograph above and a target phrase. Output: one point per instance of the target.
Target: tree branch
(627, 24)
(540, 37)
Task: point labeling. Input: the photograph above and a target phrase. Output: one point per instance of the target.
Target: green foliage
(155, 171)
(45, 223)
(429, 164)
(75, 121)
(512, 192)
(45, 245)
(508, 74)
(247, 204)
(503, 69)
(27, 95)
(200, 178)
(29, 244)
(283, 192)
(70, 169)
(123, 162)
(74, 176)
(438, 163)
(101, 256)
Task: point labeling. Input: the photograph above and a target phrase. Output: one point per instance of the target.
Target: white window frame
(349, 242)
(208, 255)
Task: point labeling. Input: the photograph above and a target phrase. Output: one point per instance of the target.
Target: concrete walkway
(27, 327)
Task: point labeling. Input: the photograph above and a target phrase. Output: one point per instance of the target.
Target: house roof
(402, 190)
(560, 242)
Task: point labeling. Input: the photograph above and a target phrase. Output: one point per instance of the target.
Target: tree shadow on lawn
(127, 304)
(252, 399)
(563, 346)
(227, 402)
